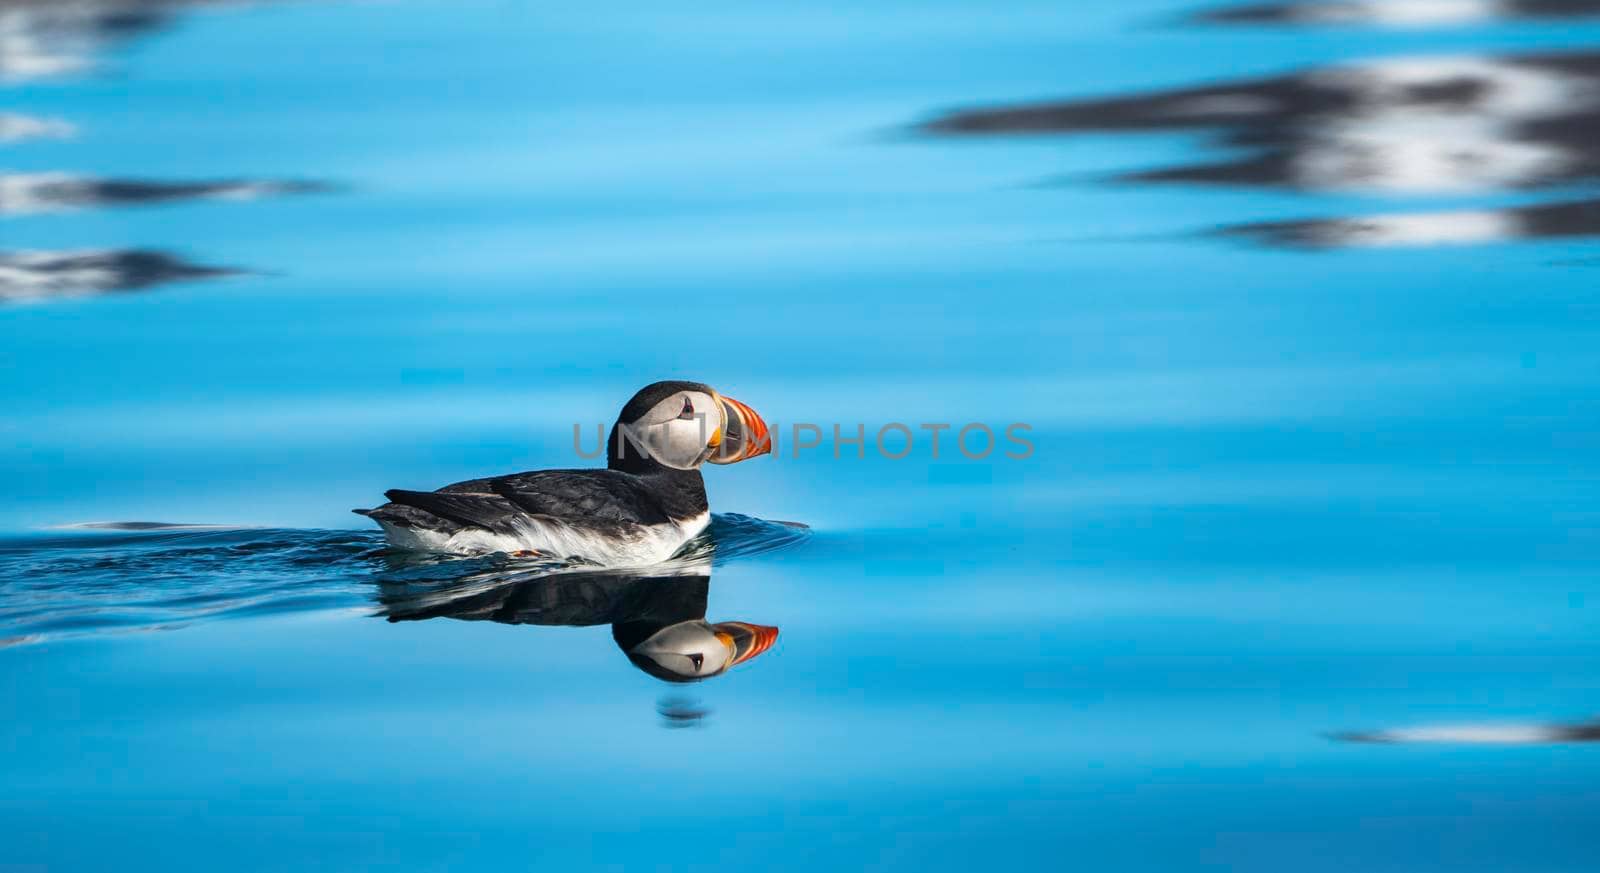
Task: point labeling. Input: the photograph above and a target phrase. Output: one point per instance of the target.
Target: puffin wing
(487, 511)
(580, 496)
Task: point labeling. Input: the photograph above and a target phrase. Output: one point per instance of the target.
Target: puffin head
(685, 424)
(693, 650)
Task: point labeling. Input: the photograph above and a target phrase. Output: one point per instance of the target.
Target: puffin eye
(688, 409)
(697, 659)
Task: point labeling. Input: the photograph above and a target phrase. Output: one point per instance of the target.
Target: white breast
(644, 545)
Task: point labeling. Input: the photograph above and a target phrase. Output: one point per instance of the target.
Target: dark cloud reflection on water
(1415, 126)
(1446, 124)
(1399, 13)
(55, 37)
(27, 193)
(59, 38)
(1463, 227)
(27, 276)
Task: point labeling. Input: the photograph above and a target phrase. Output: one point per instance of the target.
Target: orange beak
(750, 639)
(743, 434)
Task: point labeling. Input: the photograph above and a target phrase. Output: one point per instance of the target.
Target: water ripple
(123, 576)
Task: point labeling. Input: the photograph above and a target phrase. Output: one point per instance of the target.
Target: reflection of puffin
(658, 621)
(648, 502)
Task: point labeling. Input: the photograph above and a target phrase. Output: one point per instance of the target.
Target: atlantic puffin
(657, 617)
(648, 501)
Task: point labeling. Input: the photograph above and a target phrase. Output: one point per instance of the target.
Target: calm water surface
(1298, 301)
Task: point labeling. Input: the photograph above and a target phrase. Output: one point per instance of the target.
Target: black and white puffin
(657, 617)
(648, 502)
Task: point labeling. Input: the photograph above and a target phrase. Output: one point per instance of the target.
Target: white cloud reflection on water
(1404, 126)
(45, 38)
(1397, 13)
(31, 193)
(1577, 218)
(1409, 125)
(1484, 733)
(29, 276)
(63, 39)
(15, 127)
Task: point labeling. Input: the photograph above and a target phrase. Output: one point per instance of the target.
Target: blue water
(1283, 486)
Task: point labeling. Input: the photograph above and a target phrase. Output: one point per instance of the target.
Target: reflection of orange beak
(750, 639)
(743, 434)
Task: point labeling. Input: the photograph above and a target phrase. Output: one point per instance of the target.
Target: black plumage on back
(566, 495)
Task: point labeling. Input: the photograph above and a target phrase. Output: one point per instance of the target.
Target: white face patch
(676, 431)
(688, 649)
